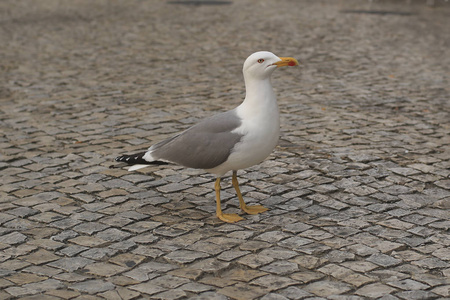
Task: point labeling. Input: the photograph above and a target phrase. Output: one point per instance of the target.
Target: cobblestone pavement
(358, 189)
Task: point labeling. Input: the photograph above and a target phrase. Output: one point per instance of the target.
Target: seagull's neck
(259, 94)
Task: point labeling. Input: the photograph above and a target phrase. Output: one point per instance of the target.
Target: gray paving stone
(210, 265)
(314, 249)
(255, 260)
(142, 226)
(383, 260)
(431, 263)
(87, 216)
(345, 297)
(443, 253)
(206, 247)
(71, 264)
(294, 292)
(342, 231)
(20, 224)
(210, 295)
(171, 294)
(40, 256)
(34, 288)
(273, 282)
(147, 288)
(73, 250)
(141, 275)
(112, 235)
(360, 190)
(396, 190)
(324, 188)
(172, 187)
(281, 267)
(327, 288)
(169, 281)
(375, 290)
(116, 221)
(13, 238)
(316, 234)
(272, 236)
(98, 253)
(23, 212)
(417, 200)
(232, 254)
(195, 287)
(157, 267)
(254, 246)
(185, 256)
(278, 253)
(89, 227)
(65, 223)
(408, 284)
(92, 286)
(442, 291)
(294, 242)
(339, 256)
(296, 227)
(42, 270)
(133, 215)
(273, 296)
(168, 231)
(416, 295)
(5, 217)
(4, 272)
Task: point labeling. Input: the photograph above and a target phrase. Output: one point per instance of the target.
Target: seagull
(229, 141)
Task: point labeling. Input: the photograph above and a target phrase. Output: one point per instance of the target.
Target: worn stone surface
(358, 188)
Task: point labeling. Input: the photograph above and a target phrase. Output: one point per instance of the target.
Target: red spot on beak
(291, 63)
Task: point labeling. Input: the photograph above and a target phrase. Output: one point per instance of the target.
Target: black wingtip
(120, 158)
(137, 159)
(133, 159)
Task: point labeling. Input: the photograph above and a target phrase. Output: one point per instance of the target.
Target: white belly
(254, 148)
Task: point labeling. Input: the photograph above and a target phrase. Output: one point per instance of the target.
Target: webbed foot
(229, 218)
(254, 209)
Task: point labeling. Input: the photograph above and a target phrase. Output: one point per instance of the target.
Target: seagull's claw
(229, 218)
(254, 209)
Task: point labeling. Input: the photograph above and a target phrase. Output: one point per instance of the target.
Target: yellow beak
(286, 61)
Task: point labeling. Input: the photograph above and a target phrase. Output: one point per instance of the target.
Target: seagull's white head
(260, 65)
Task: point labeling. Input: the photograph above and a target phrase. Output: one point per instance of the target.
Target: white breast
(260, 129)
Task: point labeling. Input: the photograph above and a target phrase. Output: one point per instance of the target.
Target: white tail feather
(137, 167)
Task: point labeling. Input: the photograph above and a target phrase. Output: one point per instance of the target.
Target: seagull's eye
(260, 60)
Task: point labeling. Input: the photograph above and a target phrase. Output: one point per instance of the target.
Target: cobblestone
(358, 187)
(375, 290)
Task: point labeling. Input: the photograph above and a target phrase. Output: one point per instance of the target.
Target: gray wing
(203, 146)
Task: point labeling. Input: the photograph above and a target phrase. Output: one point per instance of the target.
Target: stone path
(358, 189)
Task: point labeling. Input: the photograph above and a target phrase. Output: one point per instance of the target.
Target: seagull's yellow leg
(229, 218)
(252, 210)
